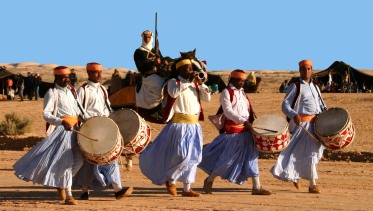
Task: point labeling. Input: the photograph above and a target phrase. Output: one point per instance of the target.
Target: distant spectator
(20, 86)
(35, 84)
(283, 86)
(73, 78)
(9, 89)
(363, 87)
(28, 86)
(330, 82)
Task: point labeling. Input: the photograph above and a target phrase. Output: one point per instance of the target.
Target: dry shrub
(14, 125)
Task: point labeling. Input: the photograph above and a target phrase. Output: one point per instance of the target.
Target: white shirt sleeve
(49, 103)
(228, 108)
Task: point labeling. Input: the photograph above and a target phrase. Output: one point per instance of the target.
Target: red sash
(232, 127)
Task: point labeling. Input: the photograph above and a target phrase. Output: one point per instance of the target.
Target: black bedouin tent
(339, 69)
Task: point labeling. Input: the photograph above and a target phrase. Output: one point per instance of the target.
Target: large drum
(271, 134)
(334, 128)
(135, 132)
(108, 146)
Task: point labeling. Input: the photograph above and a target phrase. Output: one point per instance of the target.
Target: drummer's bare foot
(123, 193)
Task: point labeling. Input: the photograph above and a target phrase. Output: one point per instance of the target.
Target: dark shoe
(71, 201)
(315, 189)
(261, 191)
(171, 189)
(84, 196)
(297, 184)
(123, 193)
(207, 186)
(190, 194)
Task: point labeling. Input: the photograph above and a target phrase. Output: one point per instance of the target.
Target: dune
(27, 64)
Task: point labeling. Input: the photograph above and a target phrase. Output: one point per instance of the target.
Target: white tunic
(186, 97)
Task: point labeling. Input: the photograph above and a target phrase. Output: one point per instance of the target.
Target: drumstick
(313, 137)
(274, 131)
(92, 139)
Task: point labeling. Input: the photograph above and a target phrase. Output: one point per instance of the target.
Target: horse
(120, 99)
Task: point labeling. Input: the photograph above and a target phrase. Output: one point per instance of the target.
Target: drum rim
(278, 133)
(349, 121)
(343, 147)
(141, 121)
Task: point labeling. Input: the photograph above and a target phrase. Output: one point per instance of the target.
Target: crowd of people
(29, 87)
(335, 83)
(177, 152)
(24, 87)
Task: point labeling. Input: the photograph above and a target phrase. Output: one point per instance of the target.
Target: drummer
(232, 154)
(302, 103)
(177, 150)
(54, 161)
(93, 97)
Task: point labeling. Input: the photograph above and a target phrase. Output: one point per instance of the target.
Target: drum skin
(271, 141)
(134, 130)
(334, 128)
(109, 145)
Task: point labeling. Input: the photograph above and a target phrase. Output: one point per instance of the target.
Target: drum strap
(105, 96)
(297, 85)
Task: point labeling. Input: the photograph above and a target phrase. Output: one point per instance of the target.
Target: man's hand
(248, 125)
(157, 61)
(67, 126)
(199, 80)
(297, 119)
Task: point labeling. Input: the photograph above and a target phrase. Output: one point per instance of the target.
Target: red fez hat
(238, 74)
(61, 70)
(305, 62)
(93, 66)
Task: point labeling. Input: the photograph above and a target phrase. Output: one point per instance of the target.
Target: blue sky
(235, 34)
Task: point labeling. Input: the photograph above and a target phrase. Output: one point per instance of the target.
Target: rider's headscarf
(147, 46)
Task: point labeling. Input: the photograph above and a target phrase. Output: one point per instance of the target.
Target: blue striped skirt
(174, 154)
(53, 161)
(233, 157)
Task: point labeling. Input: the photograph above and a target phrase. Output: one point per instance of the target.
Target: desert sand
(345, 176)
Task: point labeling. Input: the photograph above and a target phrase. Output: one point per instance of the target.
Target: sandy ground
(345, 177)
